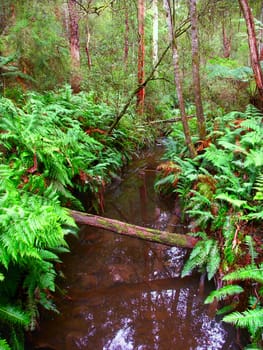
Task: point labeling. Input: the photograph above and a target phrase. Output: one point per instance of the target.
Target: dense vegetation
(221, 194)
(51, 145)
(69, 123)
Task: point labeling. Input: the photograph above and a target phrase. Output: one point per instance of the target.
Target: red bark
(254, 56)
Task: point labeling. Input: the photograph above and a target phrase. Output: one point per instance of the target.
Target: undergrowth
(50, 145)
(221, 192)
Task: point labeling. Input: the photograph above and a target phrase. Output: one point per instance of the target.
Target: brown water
(123, 293)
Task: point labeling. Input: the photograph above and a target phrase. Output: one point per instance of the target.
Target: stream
(121, 293)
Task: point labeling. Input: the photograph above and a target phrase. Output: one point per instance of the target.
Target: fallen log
(173, 120)
(122, 228)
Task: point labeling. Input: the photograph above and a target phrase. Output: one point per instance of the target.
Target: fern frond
(254, 158)
(246, 273)
(223, 292)
(251, 319)
(233, 201)
(200, 257)
(14, 315)
(213, 262)
(251, 247)
(4, 345)
(252, 112)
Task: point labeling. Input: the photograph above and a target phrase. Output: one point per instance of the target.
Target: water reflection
(125, 294)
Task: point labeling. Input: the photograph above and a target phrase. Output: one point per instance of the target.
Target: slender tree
(177, 77)
(155, 31)
(87, 48)
(74, 46)
(126, 35)
(141, 56)
(196, 70)
(226, 41)
(254, 55)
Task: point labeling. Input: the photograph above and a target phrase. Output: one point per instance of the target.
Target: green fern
(246, 273)
(251, 319)
(223, 292)
(233, 201)
(251, 247)
(14, 315)
(205, 255)
(4, 345)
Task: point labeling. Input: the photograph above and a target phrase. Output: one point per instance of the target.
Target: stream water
(123, 293)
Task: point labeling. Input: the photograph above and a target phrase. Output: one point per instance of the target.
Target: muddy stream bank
(123, 293)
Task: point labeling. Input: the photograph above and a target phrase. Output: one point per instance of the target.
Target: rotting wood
(122, 228)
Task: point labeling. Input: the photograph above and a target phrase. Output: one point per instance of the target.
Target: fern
(14, 315)
(251, 319)
(4, 345)
(223, 292)
(246, 273)
(233, 201)
(204, 255)
(259, 187)
(251, 247)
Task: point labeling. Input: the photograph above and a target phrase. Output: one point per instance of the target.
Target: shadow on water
(123, 293)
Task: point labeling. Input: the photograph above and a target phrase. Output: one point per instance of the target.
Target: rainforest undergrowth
(51, 145)
(221, 193)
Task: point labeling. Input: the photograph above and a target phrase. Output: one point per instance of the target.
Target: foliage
(222, 194)
(205, 254)
(51, 145)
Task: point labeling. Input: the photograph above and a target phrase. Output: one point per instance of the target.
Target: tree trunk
(254, 56)
(177, 78)
(226, 42)
(179, 31)
(74, 46)
(141, 57)
(260, 41)
(155, 31)
(196, 71)
(87, 47)
(126, 35)
(122, 228)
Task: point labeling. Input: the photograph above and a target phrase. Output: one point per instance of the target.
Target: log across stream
(121, 293)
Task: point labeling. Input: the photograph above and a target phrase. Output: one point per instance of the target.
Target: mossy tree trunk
(122, 228)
